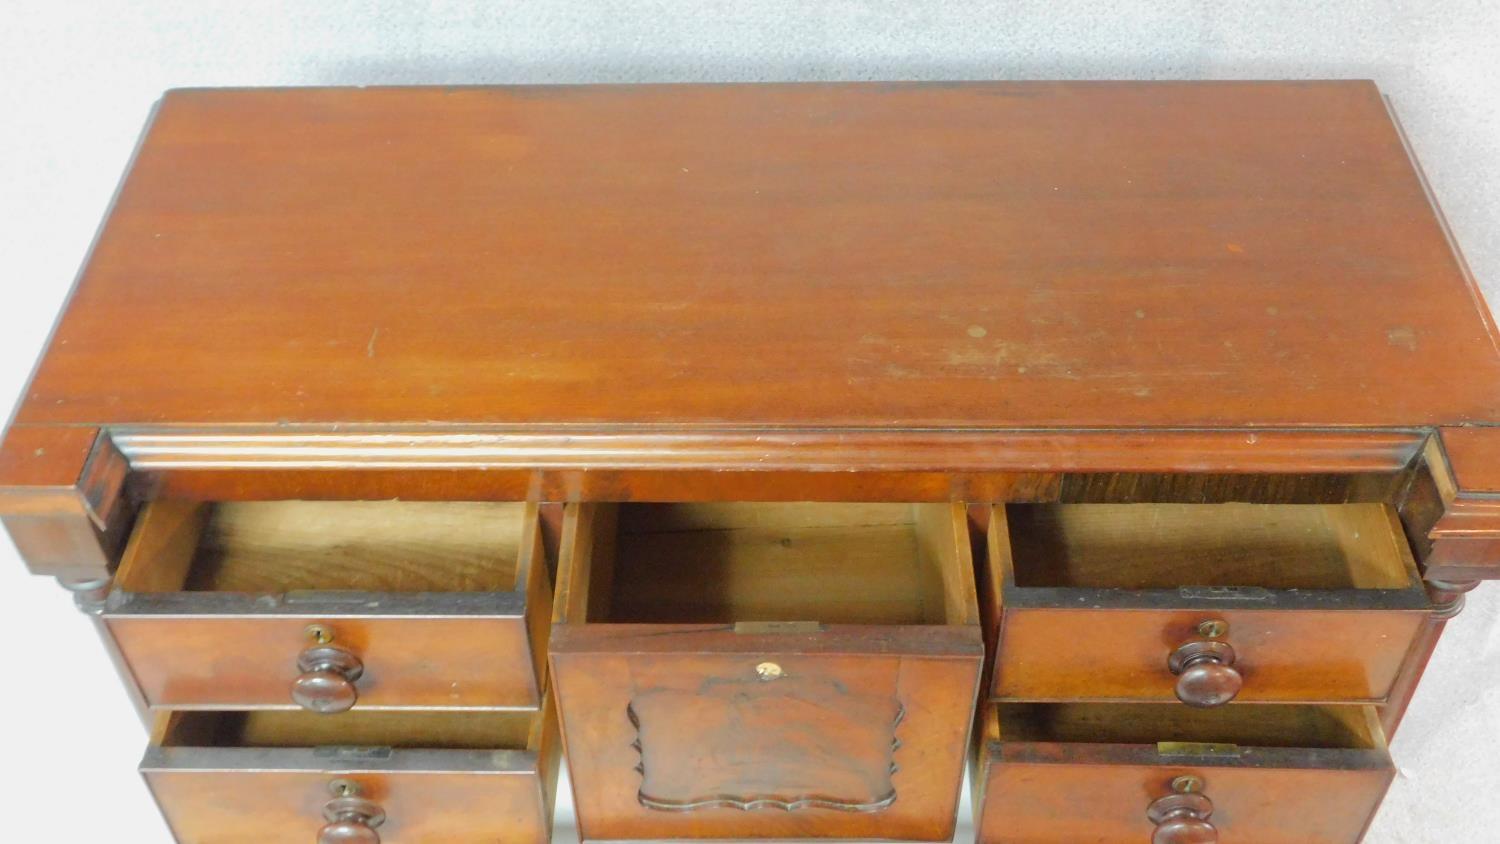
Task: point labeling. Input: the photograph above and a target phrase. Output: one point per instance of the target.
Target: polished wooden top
(1475, 453)
(1009, 255)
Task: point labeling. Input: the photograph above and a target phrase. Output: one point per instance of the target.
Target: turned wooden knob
(1205, 671)
(351, 820)
(1182, 817)
(327, 681)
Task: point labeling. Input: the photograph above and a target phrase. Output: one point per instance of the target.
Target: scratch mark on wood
(1402, 336)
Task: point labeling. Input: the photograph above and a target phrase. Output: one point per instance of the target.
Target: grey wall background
(78, 79)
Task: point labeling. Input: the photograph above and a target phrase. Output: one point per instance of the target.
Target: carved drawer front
(1133, 773)
(766, 670)
(1203, 603)
(270, 777)
(332, 605)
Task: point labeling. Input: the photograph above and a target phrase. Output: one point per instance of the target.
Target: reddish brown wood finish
(817, 750)
(1448, 602)
(1427, 500)
(982, 292)
(1474, 454)
(205, 656)
(1008, 332)
(1284, 655)
(1463, 470)
(244, 663)
(218, 807)
(793, 465)
(1112, 644)
(1037, 792)
(762, 729)
(897, 254)
(1043, 794)
(62, 501)
(1466, 537)
(502, 796)
(720, 448)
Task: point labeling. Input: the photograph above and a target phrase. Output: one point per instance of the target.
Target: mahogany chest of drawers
(783, 455)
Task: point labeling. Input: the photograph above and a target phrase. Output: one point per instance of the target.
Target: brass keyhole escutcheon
(1187, 784)
(1213, 629)
(768, 671)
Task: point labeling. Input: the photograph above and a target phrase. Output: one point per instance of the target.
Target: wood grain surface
(222, 778)
(1322, 603)
(1005, 254)
(779, 718)
(245, 581)
(755, 755)
(830, 563)
(1094, 785)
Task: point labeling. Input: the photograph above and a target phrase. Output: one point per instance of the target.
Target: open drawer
(387, 604)
(1123, 773)
(278, 777)
(766, 670)
(1204, 602)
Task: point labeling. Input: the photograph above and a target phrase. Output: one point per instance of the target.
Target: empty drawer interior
(747, 562)
(1165, 546)
(509, 730)
(1294, 726)
(284, 546)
